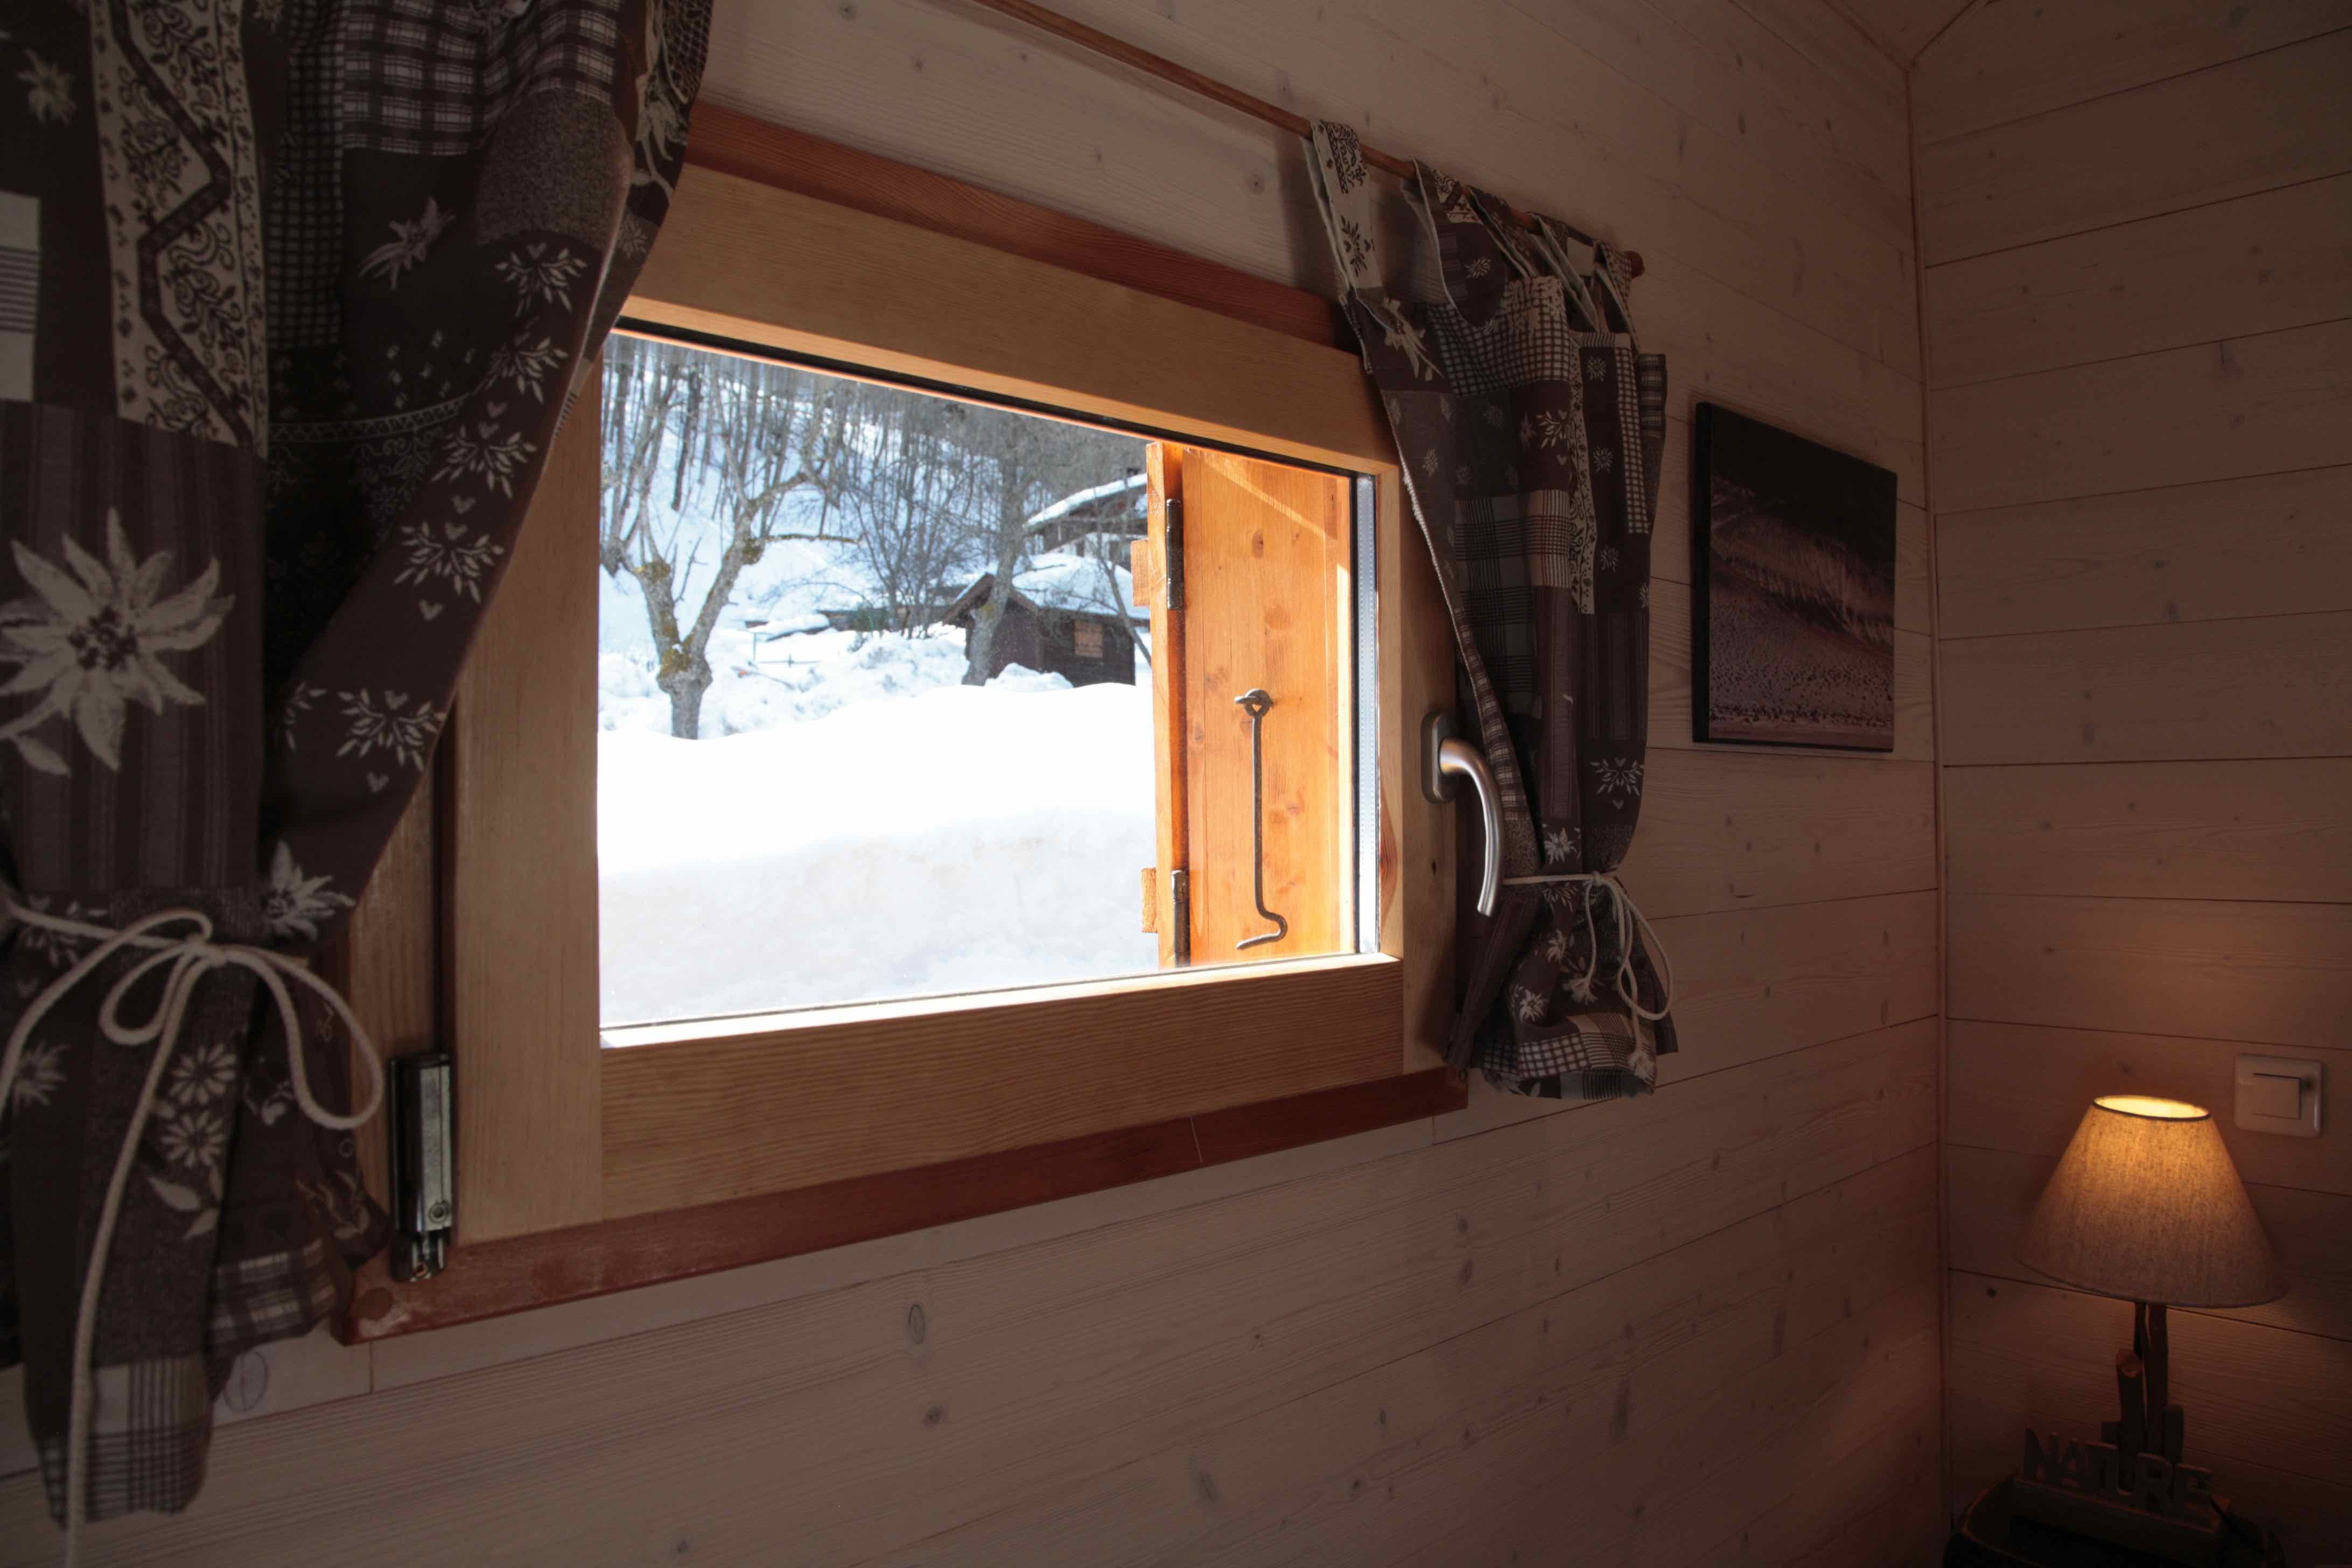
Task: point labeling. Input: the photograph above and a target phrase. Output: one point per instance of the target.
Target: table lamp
(2146, 1206)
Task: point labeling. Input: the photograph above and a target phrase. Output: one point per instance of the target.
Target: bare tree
(737, 436)
(909, 502)
(1028, 462)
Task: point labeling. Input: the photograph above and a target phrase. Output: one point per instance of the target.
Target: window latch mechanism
(424, 1152)
(1173, 549)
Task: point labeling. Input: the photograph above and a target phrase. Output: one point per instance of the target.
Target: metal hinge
(424, 1164)
(1172, 550)
(1180, 911)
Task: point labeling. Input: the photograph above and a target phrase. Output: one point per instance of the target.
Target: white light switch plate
(2278, 1094)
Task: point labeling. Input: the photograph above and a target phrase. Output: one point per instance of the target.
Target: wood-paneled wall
(2137, 221)
(1701, 1328)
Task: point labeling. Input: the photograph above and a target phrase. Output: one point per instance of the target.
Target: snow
(884, 839)
(1067, 581)
(1076, 498)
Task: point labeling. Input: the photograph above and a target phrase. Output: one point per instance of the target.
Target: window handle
(1445, 756)
(1255, 702)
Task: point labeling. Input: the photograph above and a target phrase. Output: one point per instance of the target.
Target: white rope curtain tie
(190, 958)
(1630, 920)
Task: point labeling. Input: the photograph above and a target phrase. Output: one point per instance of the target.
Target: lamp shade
(2147, 1205)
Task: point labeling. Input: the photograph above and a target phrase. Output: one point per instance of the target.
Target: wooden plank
(701, 1112)
(1754, 983)
(769, 267)
(1719, 64)
(772, 155)
(2258, 405)
(1266, 599)
(2311, 1516)
(2261, 263)
(1027, 1370)
(1842, 51)
(2275, 830)
(1670, 682)
(1539, 121)
(2270, 545)
(2000, 63)
(2255, 1394)
(2133, 154)
(1990, 1194)
(533, 1272)
(521, 966)
(1549, 1373)
(2199, 690)
(2275, 973)
(1901, 28)
(2025, 1089)
(1723, 829)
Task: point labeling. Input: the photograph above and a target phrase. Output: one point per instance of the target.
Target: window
(1264, 453)
(859, 736)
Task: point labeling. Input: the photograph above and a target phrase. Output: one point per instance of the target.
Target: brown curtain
(1531, 430)
(292, 295)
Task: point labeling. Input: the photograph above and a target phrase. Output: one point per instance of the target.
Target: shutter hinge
(424, 1156)
(1172, 550)
(1179, 912)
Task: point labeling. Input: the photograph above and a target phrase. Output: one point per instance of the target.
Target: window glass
(878, 711)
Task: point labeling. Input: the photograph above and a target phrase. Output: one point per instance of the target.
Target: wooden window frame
(583, 1168)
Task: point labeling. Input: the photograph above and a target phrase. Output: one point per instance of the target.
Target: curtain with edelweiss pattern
(1531, 430)
(292, 295)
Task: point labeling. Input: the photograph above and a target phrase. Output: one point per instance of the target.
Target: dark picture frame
(1792, 590)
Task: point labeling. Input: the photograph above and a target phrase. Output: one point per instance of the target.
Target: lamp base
(2194, 1537)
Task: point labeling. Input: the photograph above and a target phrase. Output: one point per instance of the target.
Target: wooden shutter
(1248, 585)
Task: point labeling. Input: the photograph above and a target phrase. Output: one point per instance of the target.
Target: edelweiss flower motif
(1618, 778)
(87, 641)
(1554, 429)
(203, 1073)
(482, 450)
(39, 1075)
(1604, 458)
(1356, 244)
(408, 244)
(406, 732)
(1556, 945)
(1580, 988)
(450, 551)
(526, 365)
(297, 700)
(537, 275)
(49, 91)
(1610, 557)
(294, 904)
(1596, 367)
(1526, 1006)
(1400, 334)
(1558, 844)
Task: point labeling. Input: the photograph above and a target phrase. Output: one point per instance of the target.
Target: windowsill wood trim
(818, 1097)
(494, 1278)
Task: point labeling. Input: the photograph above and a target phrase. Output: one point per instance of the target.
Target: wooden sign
(2139, 1500)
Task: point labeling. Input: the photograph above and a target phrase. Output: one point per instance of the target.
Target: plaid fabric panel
(432, 76)
(272, 1296)
(150, 1424)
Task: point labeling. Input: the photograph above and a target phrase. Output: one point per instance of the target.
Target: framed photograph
(1793, 591)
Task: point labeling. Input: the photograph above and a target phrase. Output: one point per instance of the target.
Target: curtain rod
(1167, 70)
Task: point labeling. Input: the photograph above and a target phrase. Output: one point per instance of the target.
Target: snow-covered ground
(953, 838)
(856, 824)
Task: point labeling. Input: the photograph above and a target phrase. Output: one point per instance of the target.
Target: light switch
(2278, 1094)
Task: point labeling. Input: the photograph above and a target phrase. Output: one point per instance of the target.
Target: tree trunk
(686, 689)
(979, 643)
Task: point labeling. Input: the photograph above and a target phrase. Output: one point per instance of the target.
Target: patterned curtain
(292, 295)
(1531, 432)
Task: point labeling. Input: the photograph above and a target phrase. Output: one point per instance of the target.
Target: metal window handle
(1255, 702)
(1445, 757)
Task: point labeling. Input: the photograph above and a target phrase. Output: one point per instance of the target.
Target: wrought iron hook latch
(1255, 702)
